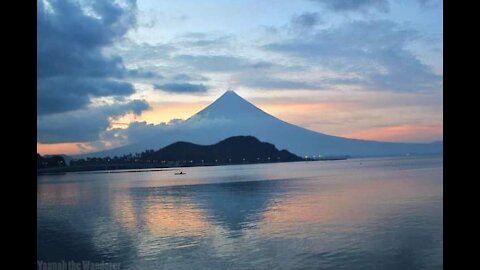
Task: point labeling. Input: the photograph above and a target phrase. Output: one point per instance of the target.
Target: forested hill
(237, 149)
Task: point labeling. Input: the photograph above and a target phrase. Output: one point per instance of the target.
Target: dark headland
(233, 150)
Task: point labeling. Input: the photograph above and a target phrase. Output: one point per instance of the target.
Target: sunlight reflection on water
(382, 213)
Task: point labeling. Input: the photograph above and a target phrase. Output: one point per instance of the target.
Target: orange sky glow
(396, 133)
(302, 114)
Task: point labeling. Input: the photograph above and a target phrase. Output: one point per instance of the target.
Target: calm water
(382, 213)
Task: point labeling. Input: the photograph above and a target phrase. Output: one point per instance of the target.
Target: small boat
(180, 173)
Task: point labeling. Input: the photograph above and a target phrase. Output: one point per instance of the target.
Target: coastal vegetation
(233, 150)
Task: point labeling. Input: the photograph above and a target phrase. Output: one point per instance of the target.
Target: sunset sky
(369, 69)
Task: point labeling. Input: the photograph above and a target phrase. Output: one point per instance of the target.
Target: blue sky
(370, 69)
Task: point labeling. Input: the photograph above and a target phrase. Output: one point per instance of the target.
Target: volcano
(231, 115)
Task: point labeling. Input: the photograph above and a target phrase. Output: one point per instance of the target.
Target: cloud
(64, 93)
(140, 52)
(276, 83)
(143, 74)
(354, 5)
(194, 35)
(430, 3)
(142, 132)
(373, 51)
(203, 40)
(135, 106)
(74, 67)
(174, 130)
(83, 125)
(299, 81)
(189, 77)
(181, 87)
(71, 63)
(220, 63)
(306, 21)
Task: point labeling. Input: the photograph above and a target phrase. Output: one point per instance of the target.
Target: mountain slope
(230, 115)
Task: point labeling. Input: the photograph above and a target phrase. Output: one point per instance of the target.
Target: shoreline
(176, 167)
(129, 168)
(115, 169)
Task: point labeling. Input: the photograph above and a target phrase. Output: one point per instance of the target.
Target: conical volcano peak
(231, 115)
(230, 94)
(229, 105)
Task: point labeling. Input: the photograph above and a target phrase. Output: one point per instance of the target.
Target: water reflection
(387, 216)
(347, 202)
(181, 210)
(65, 194)
(235, 206)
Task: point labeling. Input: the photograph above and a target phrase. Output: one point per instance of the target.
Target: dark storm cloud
(71, 64)
(354, 5)
(181, 87)
(373, 50)
(72, 68)
(83, 125)
(65, 93)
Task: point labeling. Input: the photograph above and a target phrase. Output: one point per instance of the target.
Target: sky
(367, 69)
